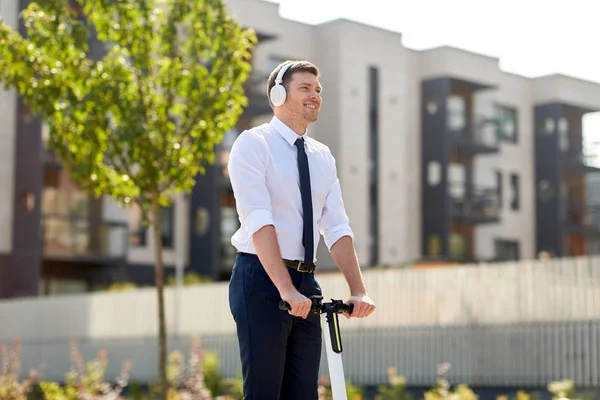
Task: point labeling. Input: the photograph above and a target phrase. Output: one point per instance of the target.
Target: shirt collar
(286, 132)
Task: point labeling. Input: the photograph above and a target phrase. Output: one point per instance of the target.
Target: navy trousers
(280, 353)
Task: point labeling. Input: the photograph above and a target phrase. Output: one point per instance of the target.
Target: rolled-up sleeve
(334, 223)
(247, 167)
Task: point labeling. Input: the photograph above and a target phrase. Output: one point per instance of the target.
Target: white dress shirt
(263, 168)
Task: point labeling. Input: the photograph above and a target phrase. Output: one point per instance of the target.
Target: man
(287, 191)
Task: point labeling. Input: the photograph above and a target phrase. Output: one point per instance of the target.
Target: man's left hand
(363, 306)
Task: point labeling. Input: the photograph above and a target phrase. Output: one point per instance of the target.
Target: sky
(530, 37)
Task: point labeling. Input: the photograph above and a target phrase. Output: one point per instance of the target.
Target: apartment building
(441, 156)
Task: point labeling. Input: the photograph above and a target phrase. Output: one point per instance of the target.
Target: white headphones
(278, 93)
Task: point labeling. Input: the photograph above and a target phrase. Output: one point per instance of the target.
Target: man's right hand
(300, 304)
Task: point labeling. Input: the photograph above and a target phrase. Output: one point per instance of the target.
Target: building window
(374, 113)
(45, 133)
(434, 173)
(138, 232)
(229, 225)
(499, 187)
(545, 190)
(167, 221)
(563, 135)
(432, 105)
(507, 250)
(434, 246)
(593, 246)
(514, 192)
(457, 181)
(507, 123)
(549, 126)
(61, 196)
(593, 190)
(225, 149)
(457, 113)
(458, 247)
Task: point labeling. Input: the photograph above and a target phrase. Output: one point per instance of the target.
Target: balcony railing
(75, 238)
(256, 91)
(49, 158)
(581, 160)
(257, 83)
(581, 216)
(474, 203)
(472, 134)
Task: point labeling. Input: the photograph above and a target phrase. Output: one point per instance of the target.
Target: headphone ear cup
(278, 95)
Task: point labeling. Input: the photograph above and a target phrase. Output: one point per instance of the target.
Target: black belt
(293, 264)
(300, 266)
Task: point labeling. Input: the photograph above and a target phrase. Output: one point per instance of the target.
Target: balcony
(582, 218)
(580, 161)
(474, 203)
(50, 159)
(256, 91)
(78, 239)
(471, 135)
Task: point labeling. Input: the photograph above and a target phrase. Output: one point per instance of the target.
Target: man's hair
(297, 66)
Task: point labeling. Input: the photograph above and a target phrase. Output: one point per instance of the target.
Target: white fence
(501, 324)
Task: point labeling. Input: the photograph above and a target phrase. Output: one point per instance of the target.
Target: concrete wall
(423, 317)
(448, 61)
(566, 89)
(518, 158)
(412, 174)
(293, 39)
(8, 128)
(515, 292)
(361, 47)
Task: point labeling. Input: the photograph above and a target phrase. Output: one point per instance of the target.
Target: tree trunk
(160, 279)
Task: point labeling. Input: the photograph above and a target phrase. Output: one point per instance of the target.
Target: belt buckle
(302, 267)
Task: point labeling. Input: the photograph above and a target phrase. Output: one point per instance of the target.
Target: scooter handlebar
(317, 307)
(331, 310)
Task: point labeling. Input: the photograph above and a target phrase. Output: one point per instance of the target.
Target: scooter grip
(346, 308)
(284, 305)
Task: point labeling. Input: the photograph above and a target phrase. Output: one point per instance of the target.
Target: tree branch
(119, 155)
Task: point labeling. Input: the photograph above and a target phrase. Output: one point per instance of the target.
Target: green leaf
(151, 106)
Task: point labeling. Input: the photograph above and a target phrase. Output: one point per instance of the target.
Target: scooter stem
(333, 340)
(333, 346)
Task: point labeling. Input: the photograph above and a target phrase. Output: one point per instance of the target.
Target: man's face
(303, 99)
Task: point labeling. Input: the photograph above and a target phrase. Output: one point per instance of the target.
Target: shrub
(200, 378)
(86, 380)
(190, 278)
(121, 287)
(11, 387)
(565, 389)
(190, 385)
(520, 395)
(229, 388)
(442, 390)
(395, 389)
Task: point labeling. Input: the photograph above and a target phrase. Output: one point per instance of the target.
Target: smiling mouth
(311, 106)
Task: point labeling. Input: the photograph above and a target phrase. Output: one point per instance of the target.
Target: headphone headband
(282, 72)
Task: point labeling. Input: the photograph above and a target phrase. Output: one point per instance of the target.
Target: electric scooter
(333, 340)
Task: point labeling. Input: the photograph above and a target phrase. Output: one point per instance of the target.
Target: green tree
(137, 121)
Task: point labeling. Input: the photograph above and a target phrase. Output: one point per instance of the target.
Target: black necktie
(307, 211)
